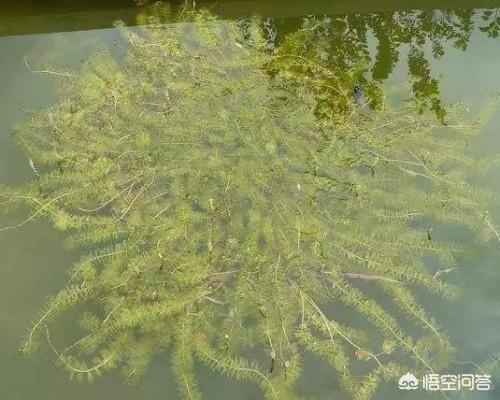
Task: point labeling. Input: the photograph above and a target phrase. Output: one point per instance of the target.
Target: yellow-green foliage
(221, 217)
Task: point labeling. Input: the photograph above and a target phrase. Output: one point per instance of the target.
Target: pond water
(457, 59)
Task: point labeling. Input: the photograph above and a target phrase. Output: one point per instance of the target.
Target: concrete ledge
(44, 16)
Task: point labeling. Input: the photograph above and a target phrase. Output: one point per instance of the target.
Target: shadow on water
(364, 48)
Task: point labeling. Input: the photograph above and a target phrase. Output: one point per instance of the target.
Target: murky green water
(34, 259)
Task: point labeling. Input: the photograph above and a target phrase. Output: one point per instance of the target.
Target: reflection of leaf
(387, 55)
(486, 14)
(425, 88)
(492, 29)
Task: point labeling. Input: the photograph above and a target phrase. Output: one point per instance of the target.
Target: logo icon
(408, 382)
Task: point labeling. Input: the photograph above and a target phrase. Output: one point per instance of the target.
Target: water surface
(35, 258)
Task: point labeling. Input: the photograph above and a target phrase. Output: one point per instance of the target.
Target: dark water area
(435, 52)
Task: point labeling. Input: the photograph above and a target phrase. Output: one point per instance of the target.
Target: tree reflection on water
(363, 49)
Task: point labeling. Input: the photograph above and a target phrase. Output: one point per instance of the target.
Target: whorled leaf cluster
(223, 221)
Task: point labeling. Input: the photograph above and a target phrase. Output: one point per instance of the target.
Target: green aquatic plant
(221, 220)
